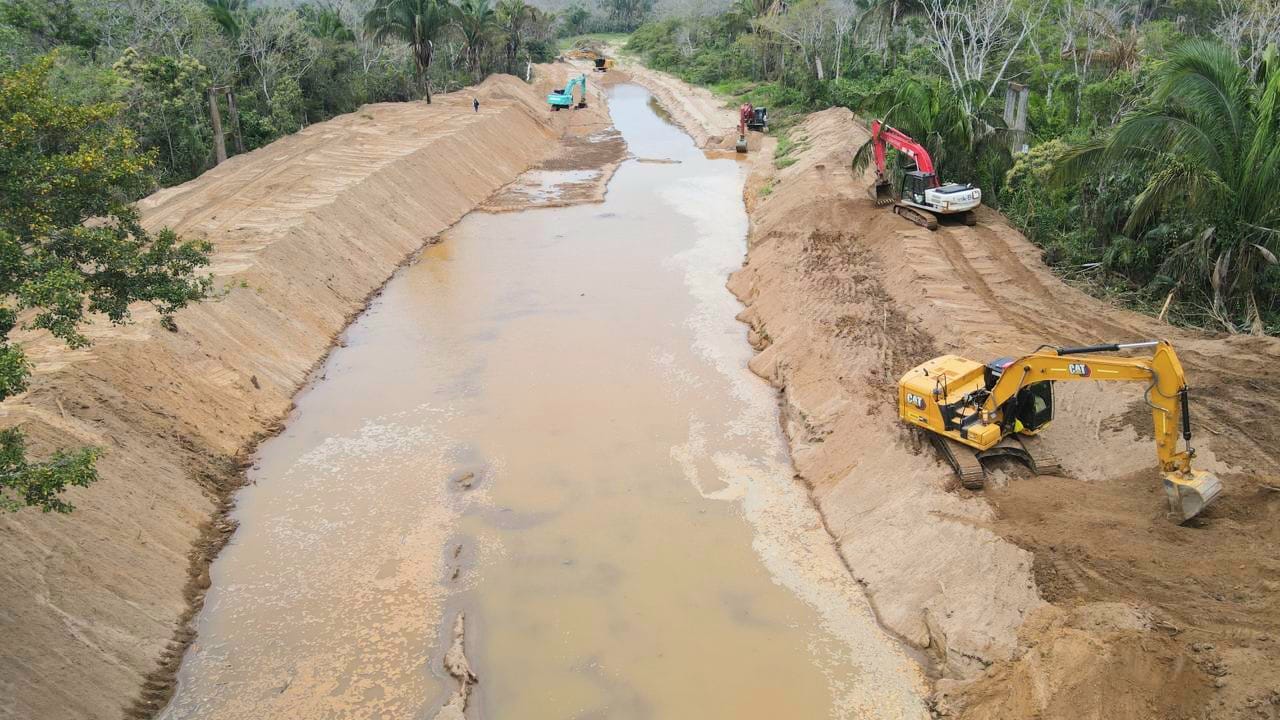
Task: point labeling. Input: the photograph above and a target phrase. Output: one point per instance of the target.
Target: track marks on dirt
(844, 281)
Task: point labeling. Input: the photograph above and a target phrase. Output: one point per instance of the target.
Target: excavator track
(923, 218)
(963, 460)
(1042, 461)
(1030, 450)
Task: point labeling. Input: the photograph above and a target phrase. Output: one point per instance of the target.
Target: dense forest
(1135, 141)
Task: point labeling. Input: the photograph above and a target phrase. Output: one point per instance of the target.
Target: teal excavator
(561, 99)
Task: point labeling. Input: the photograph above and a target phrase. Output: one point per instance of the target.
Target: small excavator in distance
(750, 118)
(563, 98)
(923, 197)
(973, 411)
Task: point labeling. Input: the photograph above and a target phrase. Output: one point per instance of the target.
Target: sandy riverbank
(97, 604)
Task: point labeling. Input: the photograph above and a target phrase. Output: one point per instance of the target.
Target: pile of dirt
(844, 297)
(96, 604)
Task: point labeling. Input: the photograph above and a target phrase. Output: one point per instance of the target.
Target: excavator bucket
(1189, 496)
(883, 192)
(742, 144)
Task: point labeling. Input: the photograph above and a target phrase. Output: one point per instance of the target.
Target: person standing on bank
(475, 104)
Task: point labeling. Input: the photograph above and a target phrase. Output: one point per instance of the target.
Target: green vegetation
(1149, 172)
(62, 165)
(784, 155)
(271, 68)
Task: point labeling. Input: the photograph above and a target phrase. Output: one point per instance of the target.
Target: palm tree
(476, 20)
(1207, 143)
(513, 16)
(227, 14)
(962, 146)
(417, 23)
(326, 24)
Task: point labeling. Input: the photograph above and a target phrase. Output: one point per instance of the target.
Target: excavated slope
(833, 339)
(305, 230)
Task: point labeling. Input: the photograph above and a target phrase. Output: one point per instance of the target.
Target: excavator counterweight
(974, 411)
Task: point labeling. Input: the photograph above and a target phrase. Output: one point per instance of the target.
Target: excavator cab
(914, 185)
(1029, 410)
(1034, 407)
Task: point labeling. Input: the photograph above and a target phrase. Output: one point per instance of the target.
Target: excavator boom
(991, 408)
(750, 117)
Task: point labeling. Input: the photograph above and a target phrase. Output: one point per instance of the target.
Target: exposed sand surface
(1148, 618)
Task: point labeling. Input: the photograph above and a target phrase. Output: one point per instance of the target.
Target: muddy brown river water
(547, 422)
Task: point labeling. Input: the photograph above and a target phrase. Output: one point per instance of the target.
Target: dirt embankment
(1060, 597)
(96, 605)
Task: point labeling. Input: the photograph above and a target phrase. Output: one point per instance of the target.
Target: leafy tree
(575, 19)
(54, 22)
(417, 23)
(626, 15)
(71, 246)
(1209, 143)
(167, 108)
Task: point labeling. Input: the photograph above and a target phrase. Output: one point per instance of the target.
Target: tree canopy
(71, 246)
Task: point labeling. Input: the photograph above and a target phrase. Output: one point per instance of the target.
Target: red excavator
(750, 118)
(923, 198)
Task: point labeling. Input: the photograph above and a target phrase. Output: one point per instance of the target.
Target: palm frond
(1198, 188)
(1206, 76)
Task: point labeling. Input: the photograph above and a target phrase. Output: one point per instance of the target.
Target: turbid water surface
(547, 422)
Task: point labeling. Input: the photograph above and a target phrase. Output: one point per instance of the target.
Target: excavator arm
(580, 85)
(883, 135)
(1189, 490)
(744, 118)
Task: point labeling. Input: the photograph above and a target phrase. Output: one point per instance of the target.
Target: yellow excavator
(973, 411)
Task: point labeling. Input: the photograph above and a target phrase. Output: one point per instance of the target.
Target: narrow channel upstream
(548, 423)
